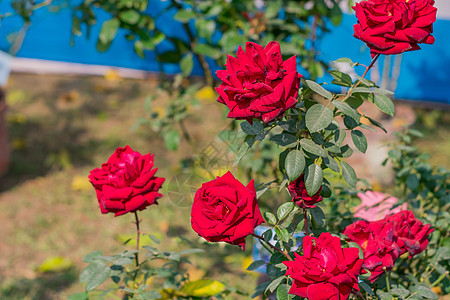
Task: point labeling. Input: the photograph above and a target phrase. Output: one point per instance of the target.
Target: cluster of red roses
(385, 240)
(259, 84)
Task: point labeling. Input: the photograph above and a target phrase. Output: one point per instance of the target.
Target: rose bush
(300, 196)
(258, 83)
(395, 26)
(224, 210)
(326, 270)
(126, 182)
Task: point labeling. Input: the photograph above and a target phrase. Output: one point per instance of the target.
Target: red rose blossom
(225, 210)
(326, 270)
(385, 240)
(377, 241)
(395, 26)
(412, 234)
(300, 196)
(258, 83)
(126, 182)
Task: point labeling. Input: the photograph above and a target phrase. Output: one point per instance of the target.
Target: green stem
(387, 281)
(136, 255)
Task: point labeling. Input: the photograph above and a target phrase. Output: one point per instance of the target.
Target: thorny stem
(306, 221)
(349, 92)
(371, 65)
(284, 252)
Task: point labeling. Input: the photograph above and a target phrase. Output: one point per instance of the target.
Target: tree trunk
(4, 142)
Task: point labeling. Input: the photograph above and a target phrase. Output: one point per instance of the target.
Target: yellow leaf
(160, 111)
(203, 288)
(55, 264)
(112, 75)
(17, 118)
(18, 144)
(206, 94)
(80, 183)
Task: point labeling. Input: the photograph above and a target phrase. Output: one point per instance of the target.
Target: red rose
(326, 270)
(377, 241)
(395, 26)
(225, 210)
(300, 196)
(126, 182)
(411, 234)
(258, 84)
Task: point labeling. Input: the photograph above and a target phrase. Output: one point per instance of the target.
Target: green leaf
(171, 57)
(284, 210)
(348, 173)
(249, 141)
(312, 147)
(282, 233)
(341, 78)
(254, 129)
(109, 31)
(129, 16)
(172, 139)
(318, 216)
(294, 164)
(313, 179)
(275, 283)
(346, 60)
(284, 139)
(347, 110)
(317, 88)
(79, 296)
(289, 125)
(139, 49)
(376, 123)
(346, 151)
(207, 50)
(95, 274)
(255, 265)
(400, 291)
(203, 288)
(186, 64)
(148, 295)
(385, 104)
(91, 256)
(283, 292)
(424, 291)
(184, 15)
(331, 163)
(412, 181)
(318, 117)
(365, 287)
(270, 218)
(359, 140)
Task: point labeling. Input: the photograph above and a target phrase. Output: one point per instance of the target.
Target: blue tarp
(424, 74)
